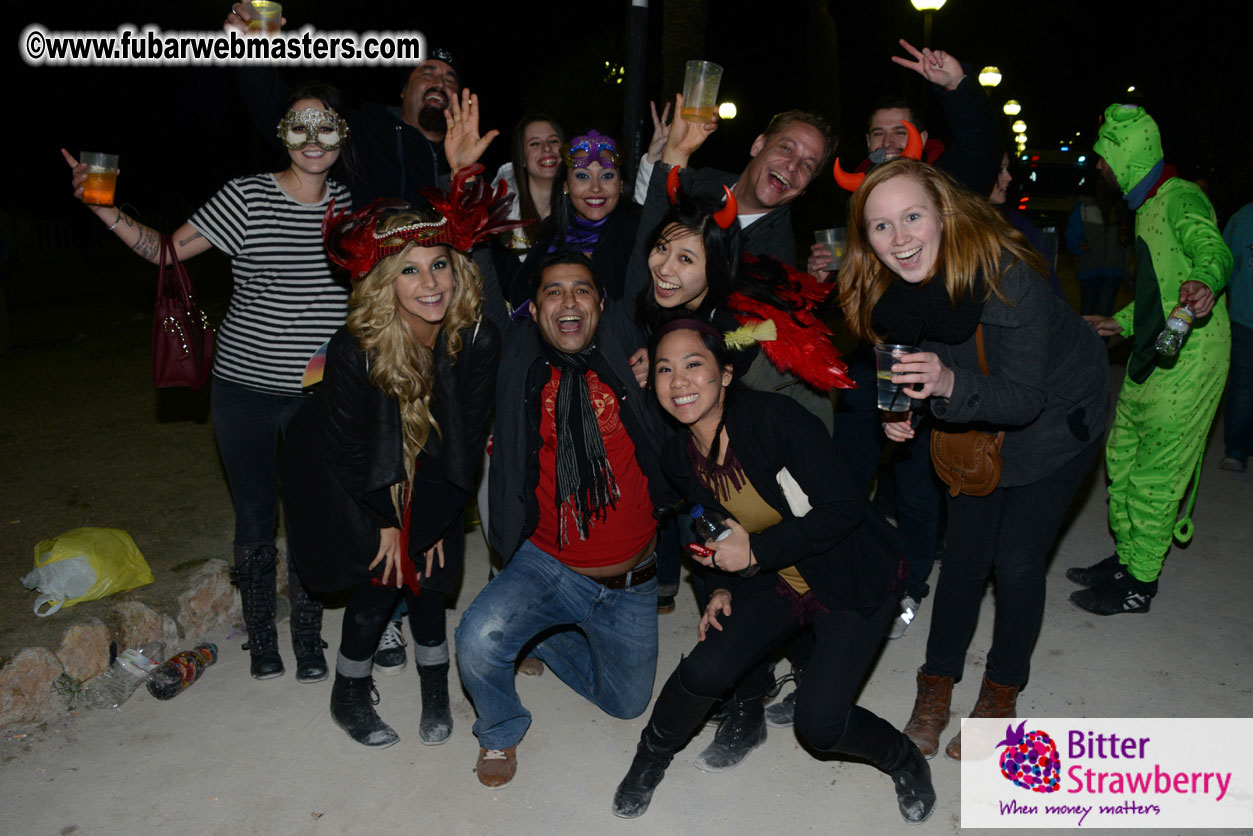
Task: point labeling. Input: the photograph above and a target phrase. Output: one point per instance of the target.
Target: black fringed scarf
(908, 313)
(585, 478)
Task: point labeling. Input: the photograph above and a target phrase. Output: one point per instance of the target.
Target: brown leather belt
(643, 571)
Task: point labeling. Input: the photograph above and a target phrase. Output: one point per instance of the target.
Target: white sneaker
(909, 611)
(389, 658)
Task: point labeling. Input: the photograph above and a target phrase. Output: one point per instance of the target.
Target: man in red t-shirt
(576, 449)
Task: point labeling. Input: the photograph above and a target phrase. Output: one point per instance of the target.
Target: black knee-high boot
(254, 574)
(676, 715)
(869, 736)
(306, 629)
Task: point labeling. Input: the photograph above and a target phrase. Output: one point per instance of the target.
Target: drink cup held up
(892, 396)
(101, 178)
(267, 17)
(700, 91)
(833, 241)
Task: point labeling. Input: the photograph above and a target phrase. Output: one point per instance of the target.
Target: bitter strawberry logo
(1030, 759)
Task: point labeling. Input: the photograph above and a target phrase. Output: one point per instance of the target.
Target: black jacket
(611, 256)
(847, 552)
(343, 451)
(514, 470)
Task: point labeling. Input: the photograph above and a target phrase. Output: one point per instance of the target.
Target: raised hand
(462, 143)
(239, 16)
(661, 131)
(685, 137)
(936, 66)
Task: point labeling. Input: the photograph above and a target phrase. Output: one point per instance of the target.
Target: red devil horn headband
(724, 217)
(913, 151)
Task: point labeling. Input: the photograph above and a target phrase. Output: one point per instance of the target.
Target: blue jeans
(604, 645)
(1238, 416)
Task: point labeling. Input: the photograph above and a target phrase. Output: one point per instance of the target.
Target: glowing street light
(928, 8)
(1019, 126)
(727, 110)
(1012, 108)
(1131, 89)
(1022, 139)
(990, 76)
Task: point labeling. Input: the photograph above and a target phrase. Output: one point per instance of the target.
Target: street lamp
(1012, 108)
(990, 76)
(1019, 126)
(927, 7)
(727, 110)
(1022, 139)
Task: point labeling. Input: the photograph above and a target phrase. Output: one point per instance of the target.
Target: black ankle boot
(676, 715)
(254, 574)
(741, 732)
(306, 630)
(435, 727)
(915, 796)
(1096, 574)
(352, 708)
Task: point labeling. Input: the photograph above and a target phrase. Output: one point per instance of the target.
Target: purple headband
(597, 148)
(688, 324)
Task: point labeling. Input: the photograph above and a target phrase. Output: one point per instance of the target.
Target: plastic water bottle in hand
(1176, 331)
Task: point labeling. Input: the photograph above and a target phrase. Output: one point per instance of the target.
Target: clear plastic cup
(892, 396)
(700, 91)
(833, 240)
(101, 178)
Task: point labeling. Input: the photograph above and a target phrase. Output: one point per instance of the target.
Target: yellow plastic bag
(83, 565)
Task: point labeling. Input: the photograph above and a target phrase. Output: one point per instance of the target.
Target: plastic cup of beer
(833, 242)
(101, 178)
(700, 91)
(892, 396)
(267, 17)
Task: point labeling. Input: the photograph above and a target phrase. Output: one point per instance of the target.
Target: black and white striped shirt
(285, 303)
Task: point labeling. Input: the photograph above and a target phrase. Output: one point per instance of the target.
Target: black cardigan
(343, 451)
(847, 552)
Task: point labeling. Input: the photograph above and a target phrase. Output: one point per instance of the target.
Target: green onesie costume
(1167, 404)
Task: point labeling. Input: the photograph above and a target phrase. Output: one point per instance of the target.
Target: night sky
(181, 132)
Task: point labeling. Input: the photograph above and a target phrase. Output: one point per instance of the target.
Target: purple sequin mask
(591, 148)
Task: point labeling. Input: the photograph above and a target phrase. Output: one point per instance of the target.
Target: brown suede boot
(931, 713)
(994, 701)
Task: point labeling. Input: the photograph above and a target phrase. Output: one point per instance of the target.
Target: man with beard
(399, 150)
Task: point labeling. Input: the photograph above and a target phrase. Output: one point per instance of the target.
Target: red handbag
(182, 341)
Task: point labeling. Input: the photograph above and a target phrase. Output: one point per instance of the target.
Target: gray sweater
(1048, 386)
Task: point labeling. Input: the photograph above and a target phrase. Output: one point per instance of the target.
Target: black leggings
(1009, 532)
(371, 607)
(846, 643)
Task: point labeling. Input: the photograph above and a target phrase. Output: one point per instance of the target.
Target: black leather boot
(306, 630)
(915, 796)
(352, 708)
(741, 732)
(870, 737)
(435, 727)
(254, 574)
(676, 715)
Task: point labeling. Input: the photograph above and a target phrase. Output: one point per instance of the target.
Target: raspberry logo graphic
(1030, 759)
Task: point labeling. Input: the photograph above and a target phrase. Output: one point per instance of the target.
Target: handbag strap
(983, 357)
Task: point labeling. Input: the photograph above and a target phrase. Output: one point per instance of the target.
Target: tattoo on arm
(148, 244)
(189, 239)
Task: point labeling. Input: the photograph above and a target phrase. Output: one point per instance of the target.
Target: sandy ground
(240, 756)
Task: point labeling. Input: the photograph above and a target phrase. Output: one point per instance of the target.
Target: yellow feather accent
(752, 332)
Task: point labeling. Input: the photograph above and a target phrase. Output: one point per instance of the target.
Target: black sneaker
(390, 658)
(1121, 594)
(1096, 574)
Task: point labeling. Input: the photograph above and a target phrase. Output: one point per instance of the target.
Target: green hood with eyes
(1130, 142)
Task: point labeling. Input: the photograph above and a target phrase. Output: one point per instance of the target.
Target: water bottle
(126, 673)
(177, 673)
(708, 524)
(1176, 331)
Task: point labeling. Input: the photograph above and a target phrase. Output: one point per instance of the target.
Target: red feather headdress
(468, 214)
(802, 344)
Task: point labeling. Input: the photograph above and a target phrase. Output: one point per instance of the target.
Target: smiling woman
(285, 305)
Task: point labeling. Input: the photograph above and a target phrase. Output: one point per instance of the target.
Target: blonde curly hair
(400, 364)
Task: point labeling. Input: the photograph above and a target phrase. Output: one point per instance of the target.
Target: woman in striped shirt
(285, 305)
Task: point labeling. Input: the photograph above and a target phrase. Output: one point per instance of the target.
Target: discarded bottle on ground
(126, 673)
(708, 524)
(1176, 331)
(178, 672)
